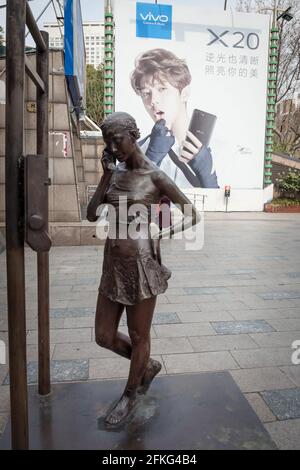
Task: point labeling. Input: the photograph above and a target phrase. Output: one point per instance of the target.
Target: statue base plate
(183, 412)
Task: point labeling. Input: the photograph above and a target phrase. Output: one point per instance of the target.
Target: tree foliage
(287, 131)
(1, 36)
(95, 93)
(288, 44)
(289, 182)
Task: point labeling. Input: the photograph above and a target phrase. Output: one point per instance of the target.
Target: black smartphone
(202, 125)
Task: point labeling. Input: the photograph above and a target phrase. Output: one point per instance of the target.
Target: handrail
(34, 30)
(17, 15)
(34, 75)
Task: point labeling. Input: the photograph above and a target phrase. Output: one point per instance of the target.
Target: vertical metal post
(42, 100)
(14, 115)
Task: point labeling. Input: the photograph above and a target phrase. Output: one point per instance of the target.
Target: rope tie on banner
(109, 61)
(271, 104)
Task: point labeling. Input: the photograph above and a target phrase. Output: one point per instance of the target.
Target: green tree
(95, 93)
(289, 183)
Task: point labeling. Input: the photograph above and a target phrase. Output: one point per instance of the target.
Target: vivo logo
(150, 17)
(153, 21)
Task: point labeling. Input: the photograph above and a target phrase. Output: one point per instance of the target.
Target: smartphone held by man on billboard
(178, 145)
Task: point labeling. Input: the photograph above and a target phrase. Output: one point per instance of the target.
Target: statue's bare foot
(121, 410)
(152, 370)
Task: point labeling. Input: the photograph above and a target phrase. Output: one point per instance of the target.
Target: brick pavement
(234, 305)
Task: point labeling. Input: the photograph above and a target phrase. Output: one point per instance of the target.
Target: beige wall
(74, 162)
(91, 152)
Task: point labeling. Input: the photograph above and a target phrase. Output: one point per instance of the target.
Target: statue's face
(119, 143)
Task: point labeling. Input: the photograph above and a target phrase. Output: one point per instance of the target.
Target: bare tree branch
(288, 74)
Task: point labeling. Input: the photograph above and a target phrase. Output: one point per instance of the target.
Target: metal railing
(18, 15)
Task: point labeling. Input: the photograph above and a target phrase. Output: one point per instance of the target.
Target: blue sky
(93, 9)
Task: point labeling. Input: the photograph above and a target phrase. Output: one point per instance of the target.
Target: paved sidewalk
(234, 305)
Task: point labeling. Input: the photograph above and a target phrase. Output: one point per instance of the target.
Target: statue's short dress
(132, 269)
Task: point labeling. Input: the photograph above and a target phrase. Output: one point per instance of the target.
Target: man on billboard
(162, 80)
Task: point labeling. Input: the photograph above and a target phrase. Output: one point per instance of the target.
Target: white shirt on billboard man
(162, 80)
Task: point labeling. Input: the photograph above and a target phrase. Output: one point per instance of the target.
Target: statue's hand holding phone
(108, 161)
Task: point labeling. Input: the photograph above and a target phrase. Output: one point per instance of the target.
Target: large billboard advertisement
(196, 83)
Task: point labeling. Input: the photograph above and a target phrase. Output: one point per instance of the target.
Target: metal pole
(43, 257)
(274, 19)
(40, 15)
(34, 30)
(14, 115)
(271, 97)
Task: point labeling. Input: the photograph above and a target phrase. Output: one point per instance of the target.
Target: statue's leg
(108, 315)
(139, 319)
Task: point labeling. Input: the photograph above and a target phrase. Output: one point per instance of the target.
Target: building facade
(93, 37)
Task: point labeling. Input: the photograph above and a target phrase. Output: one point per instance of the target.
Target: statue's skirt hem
(131, 279)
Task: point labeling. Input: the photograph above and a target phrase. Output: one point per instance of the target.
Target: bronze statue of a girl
(132, 274)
